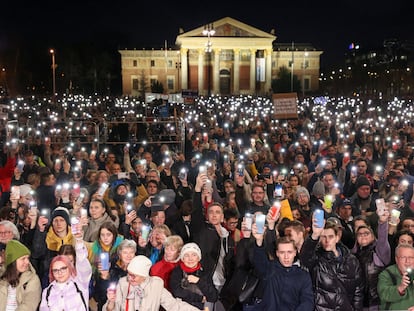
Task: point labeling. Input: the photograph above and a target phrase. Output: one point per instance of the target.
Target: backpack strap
(394, 282)
(81, 294)
(77, 290)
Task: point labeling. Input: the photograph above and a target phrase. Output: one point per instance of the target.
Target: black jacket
(337, 281)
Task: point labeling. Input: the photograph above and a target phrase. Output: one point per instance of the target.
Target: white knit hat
(190, 247)
(140, 265)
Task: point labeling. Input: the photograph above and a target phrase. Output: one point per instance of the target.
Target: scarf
(54, 242)
(189, 270)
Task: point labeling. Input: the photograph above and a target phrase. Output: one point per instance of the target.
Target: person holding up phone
(284, 282)
(374, 255)
(335, 271)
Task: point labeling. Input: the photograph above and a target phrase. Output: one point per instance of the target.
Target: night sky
(330, 27)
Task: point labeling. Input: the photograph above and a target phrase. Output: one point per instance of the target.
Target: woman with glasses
(68, 281)
(374, 256)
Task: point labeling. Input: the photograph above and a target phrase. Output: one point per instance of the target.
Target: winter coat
(180, 289)
(155, 295)
(337, 281)
(285, 288)
(6, 174)
(209, 241)
(388, 291)
(373, 259)
(163, 270)
(74, 294)
(28, 291)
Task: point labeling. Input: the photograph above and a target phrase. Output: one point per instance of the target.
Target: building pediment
(227, 28)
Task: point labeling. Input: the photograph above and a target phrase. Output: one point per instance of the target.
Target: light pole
(304, 66)
(178, 67)
(52, 52)
(208, 31)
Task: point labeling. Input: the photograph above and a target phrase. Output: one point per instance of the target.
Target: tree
(157, 87)
(282, 84)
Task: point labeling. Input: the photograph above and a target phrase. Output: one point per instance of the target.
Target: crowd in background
(143, 226)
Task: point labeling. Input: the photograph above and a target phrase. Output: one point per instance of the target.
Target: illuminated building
(236, 59)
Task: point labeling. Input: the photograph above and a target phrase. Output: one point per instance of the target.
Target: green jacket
(388, 292)
(28, 291)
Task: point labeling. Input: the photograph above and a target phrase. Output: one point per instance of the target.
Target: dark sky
(330, 27)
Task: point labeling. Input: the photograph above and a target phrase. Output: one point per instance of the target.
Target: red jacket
(6, 174)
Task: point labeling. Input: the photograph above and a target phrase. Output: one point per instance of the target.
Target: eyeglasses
(408, 226)
(59, 271)
(233, 223)
(5, 232)
(257, 192)
(409, 258)
(366, 233)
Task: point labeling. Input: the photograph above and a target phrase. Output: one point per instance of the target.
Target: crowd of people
(313, 213)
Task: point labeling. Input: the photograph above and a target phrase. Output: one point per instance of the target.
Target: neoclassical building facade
(236, 59)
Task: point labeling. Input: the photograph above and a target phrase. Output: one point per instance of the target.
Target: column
(184, 69)
(252, 71)
(216, 71)
(236, 72)
(268, 83)
(200, 71)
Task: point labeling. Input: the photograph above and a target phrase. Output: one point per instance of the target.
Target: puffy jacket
(337, 281)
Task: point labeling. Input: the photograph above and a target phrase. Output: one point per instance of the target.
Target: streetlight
(304, 66)
(178, 67)
(52, 52)
(208, 31)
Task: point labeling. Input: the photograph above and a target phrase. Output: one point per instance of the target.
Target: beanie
(140, 265)
(362, 181)
(302, 190)
(318, 189)
(190, 247)
(62, 212)
(15, 250)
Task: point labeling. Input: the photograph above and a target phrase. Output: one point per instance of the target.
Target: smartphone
(278, 190)
(45, 212)
(182, 174)
(74, 221)
(123, 175)
(395, 215)
(248, 220)
(260, 222)
(20, 165)
(102, 189)
(104, 261)
(145, 229)
(274, 210)
(328, 200)
(319, 218)
(240, 170)
(15, 193)
(381, 206)
(410, 273)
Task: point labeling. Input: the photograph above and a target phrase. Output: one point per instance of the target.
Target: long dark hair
(110, 226)
(11, 275)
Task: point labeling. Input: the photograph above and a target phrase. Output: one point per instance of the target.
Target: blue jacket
(285, 289)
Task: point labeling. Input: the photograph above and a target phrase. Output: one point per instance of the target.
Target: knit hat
(140, 265)
(362, 181)
(190, 247)
(15, 250)
(62, 212)
(318, 189)
(302, 190)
